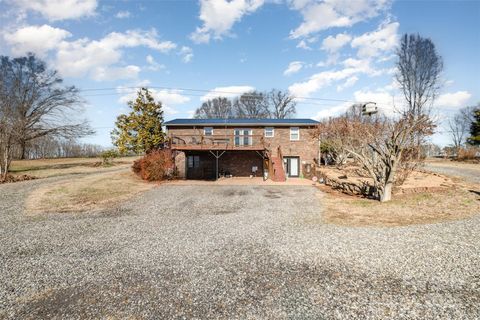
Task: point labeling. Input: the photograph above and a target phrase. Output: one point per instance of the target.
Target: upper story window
(208, 131)
(294, 133)
(243, 137)
(269, 132)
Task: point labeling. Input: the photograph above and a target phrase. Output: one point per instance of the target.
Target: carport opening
(212, 164)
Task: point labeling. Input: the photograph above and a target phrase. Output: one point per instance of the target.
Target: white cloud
(55, 10)
(319, 80)
(333, 44)
(453, 100)
(352, 67)
(219, 16)
(293, 67)
(36, 39)
(303, 45)
(372, 44)
(385, 100)
(84, 56)
(123, 14)
(187, 54)
(227, 92)
(332, 111)
(105, 73)
(347, 84)
(152, 64)
(168, 98)
(322, 15)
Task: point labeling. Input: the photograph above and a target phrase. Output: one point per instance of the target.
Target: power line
(204, 90)
(220, 92)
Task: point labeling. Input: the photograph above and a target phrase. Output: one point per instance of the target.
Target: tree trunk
(386, 195)
(23, 149)
(4, 163)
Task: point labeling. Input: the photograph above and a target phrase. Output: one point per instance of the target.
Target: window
(294, 133)
(208, 131)
(193, 161)
(243, 137)
(269, 132)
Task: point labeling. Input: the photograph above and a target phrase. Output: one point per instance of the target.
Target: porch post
(216, 167)
(217, 156)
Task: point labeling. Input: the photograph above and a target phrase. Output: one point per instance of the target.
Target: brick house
(273, 148)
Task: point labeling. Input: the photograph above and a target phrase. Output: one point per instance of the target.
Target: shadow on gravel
(251, 282)
(475, 192)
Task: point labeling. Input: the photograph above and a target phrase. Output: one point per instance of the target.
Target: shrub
(155, 166)
(469, 153)
(108, 156)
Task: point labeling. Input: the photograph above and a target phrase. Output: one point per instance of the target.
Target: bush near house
(157, 165)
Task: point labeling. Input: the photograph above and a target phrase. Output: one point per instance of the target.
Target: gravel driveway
(469, 174)
(230, 252)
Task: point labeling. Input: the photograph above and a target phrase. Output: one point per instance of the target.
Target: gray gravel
(470, 175)
(230, 252)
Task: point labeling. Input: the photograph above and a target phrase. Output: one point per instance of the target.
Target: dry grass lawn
(44, 168)
(409, 209)
(93, 192)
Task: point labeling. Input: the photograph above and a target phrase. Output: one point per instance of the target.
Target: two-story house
(211, 148)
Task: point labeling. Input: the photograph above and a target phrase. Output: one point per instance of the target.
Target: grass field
(89, 193)
(91, 185)
(420, 208)
(44, 168)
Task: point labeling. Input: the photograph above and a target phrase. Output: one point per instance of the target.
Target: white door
(293, 167)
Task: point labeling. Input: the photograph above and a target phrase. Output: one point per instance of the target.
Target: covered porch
(214, 163)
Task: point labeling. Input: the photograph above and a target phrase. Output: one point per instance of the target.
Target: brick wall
(236, 163)
(240, 163)
(306, 147)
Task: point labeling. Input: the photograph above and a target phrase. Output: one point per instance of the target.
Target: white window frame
(297, 129)
(265, 132)
(205, 131)
(241, 137)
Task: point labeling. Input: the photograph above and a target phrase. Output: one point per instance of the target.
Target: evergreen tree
(140, 131)
(474, 138)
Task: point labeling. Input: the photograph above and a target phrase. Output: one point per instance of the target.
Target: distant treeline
(52, 147)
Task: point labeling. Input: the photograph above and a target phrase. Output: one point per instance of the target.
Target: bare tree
(333, 138)
(419, 67)
(252, 105)
(33, 104)
(459, 126)
(215, 108)
(258, 105)
(282, 104)
(384, 147)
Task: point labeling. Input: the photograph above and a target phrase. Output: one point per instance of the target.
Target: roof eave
(240, 124)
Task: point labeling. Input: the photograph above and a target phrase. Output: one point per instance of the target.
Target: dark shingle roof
(237, 122)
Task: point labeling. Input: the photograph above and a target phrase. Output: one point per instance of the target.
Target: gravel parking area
(230, 252)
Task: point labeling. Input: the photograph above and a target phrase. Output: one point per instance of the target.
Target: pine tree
(140, 131)
(474, 138)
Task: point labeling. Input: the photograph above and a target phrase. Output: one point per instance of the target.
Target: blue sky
(187, 51)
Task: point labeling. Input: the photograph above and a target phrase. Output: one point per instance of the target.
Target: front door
(292, 166)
